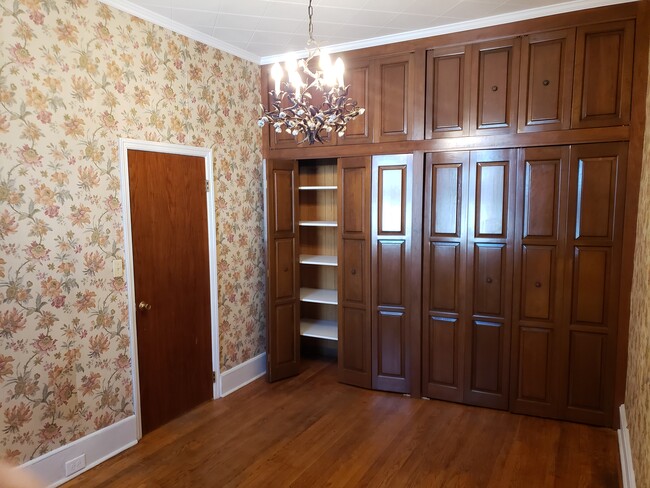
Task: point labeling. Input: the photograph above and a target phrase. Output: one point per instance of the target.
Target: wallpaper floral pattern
(76, 75)
(637, 396)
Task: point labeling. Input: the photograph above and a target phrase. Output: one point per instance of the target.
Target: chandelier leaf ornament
(294, 101)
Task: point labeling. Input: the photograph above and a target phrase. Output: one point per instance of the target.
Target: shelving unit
(318, 249)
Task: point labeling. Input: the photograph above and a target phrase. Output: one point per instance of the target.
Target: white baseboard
(242, 374)
(98, 447)
(625, 451)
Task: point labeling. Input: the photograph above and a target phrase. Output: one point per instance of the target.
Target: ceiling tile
(194, 17)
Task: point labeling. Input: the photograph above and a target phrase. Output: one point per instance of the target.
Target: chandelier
(294, 103)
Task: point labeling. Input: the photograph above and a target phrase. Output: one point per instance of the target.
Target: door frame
(166, 148)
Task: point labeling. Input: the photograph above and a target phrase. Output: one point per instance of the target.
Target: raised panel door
(546, 81)
(357, 78)
(393, 92)
(603, 75)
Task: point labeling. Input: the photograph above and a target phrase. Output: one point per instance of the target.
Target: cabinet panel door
(283, 329)
(443, 274)
(546, 81)
(447, 93)
(393, 98)
(495, 81)
(357, 76)
(354, 345)
(490, 232)
(393, 285)
(603, 75)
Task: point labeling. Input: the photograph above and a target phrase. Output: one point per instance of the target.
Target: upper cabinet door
(393, 93)
(447, 93)
(546, 81)
(283, 281)
(495, 78)
(357, 76)
(603, 75)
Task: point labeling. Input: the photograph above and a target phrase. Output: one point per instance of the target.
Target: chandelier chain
(310, 12)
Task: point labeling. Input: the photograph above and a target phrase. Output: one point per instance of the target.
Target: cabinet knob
(286, 268)
(144, 306)
(354, 271)
(546, 82)
(488, 280)
(538, 284)
(495, 88)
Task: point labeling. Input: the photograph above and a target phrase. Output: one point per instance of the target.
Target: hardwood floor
(310, 431)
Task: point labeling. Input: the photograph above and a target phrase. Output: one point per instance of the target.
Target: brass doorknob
(144, 306)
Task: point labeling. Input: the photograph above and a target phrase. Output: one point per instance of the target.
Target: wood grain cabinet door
(392, 280)
(546, 81)
(354, 344)
(489, 277)
(540, 239)
(283, 281)
(443, 274)
(495, 82)
(447, 92)
(357, 76)
(393, 93)
(603, 75)
(594, 235)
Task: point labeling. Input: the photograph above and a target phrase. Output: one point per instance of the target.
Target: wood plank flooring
(311, 431)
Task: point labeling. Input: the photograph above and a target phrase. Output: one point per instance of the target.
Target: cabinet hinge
(207, 186)
(214, 376)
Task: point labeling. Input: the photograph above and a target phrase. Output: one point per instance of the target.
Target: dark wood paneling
(444, 275)
(394, 98)
(392, 279)
(446, 195)
(495, 74)
(596, 187)
(538, 271)
(487, 359)
(546, 80)
(354, 345)
(587, 358)
(541, 197)
(534, 377)
(590, 282)
(357, 77)
(283, 327)
(491, 199)
(447, 92)
(603, 74)
(489, 283)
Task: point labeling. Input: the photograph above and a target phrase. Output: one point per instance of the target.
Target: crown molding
(451, 28)
(167, 23)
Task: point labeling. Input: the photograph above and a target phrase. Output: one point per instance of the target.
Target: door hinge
(214, 376)
(207, 186)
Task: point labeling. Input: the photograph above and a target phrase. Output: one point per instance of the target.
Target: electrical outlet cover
(74, 465)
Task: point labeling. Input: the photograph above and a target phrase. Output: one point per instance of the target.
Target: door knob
(144, 306)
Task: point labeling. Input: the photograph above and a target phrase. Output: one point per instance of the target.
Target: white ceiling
(265, 30)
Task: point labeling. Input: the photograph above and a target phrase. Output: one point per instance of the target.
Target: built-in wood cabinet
(393, 97)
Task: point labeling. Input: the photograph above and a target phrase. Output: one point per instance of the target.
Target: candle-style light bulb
(276, 74)
(325, 64)
(339, 69)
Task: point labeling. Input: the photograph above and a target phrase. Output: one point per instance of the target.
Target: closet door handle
(538, 284)
(353, 272)
(488, 280)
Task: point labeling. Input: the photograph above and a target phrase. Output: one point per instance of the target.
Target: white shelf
(318, 260)
(318, 223)
(317, 295)
(321, 329)
(323, 187)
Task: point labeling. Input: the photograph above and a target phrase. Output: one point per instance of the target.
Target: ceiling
(264, 30)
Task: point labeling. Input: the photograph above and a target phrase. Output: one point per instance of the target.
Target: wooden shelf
(324, 187)
(318, 223)
(318, 260)
(315, 295)
(321, 329)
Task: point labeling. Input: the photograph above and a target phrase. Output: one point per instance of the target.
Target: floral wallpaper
(637, 396)
(75, 75)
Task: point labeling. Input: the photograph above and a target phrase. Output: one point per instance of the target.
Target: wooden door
(393, 93)
(495, 82)
(489, 277)
(546, 81)
(594, 235)
(538, 358)
(443, 274)
(354, 345)
(392, 282)
(447, 92)
(603, 75)
(172, 276)
(283, 280)
(357, 76)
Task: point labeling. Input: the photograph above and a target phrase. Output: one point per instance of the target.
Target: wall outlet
(117, 268)
(74, 465)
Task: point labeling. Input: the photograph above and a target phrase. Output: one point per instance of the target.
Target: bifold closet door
(283, 316)
(354, 344)
(443, 274)
(490, 232)
(393, 285)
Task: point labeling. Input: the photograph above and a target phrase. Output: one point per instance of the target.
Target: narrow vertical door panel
(489, 274)
(443, 274)
(283, 283)
(354, 345)
(357, 76)
(394, 97)
(171, 278)
(392, 281)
